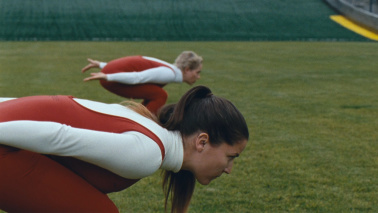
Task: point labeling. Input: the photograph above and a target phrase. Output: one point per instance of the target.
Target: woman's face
(191, 76)
(216, 160)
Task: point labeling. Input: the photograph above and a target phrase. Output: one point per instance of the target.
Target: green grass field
(311, 107)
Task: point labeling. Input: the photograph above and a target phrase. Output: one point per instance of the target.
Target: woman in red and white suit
(64, 154)
(141, 77)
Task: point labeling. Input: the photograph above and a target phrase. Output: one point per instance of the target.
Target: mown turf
(311, 107)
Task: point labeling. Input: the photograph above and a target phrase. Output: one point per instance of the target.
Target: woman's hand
(92, 64)
(96, 76)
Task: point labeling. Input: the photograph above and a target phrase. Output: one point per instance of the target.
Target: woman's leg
(30, 182)
(154, 97)
(102, 179)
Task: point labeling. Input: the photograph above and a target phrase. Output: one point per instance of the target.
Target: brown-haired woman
(89, 149)
(142, 77)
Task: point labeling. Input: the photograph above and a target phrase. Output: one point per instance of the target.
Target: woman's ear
(187, 69)
(202, 140)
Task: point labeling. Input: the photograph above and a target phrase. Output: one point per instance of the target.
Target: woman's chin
(204, 181)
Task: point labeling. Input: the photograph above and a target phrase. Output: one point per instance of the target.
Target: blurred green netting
(169, 20)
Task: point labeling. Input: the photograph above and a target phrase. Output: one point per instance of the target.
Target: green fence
(169, 20)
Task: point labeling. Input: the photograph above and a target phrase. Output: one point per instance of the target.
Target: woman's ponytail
(172, 115)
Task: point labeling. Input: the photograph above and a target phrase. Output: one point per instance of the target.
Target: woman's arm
(6, 99)
(130, 155)
(93, 64)
(158, 75)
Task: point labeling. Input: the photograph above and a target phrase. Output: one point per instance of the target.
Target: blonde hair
(140, 109)
(188, 59)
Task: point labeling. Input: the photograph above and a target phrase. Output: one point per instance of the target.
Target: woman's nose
(228, 169)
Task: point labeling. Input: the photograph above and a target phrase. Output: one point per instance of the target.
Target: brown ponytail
(181, 185)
